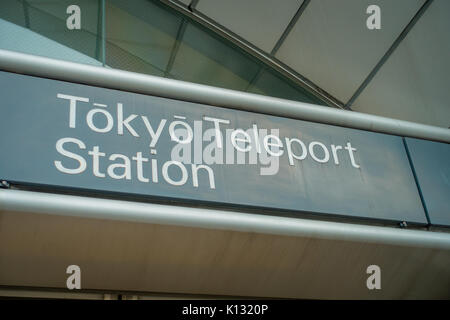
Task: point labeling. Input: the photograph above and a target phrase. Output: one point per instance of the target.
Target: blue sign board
(62, 134)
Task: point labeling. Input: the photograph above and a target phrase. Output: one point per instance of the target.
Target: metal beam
(388, 53)
(135, 82)
(103, 54)
(76, 206)
(290, 26)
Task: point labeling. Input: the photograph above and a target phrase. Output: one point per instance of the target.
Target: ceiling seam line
(290, 26)
(257, 53)
(388, 53)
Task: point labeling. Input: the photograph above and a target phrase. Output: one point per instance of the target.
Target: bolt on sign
(68, 135)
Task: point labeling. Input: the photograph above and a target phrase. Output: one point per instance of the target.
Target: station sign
(68, 135)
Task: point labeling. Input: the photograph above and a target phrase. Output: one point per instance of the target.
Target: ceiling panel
(413, 84)
(35, 250)
(332, 46)
(260, 22)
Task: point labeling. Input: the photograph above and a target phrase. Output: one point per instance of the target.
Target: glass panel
(140, 36)
(39, 27)
(148, 37)
(270, 84)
